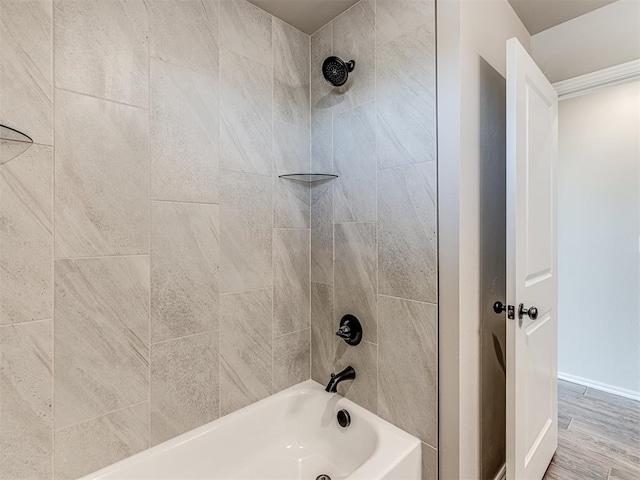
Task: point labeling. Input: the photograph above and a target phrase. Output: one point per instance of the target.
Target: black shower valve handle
(344, 332)
(350, 330)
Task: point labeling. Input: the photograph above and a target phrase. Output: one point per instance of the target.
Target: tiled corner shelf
(12, 143)
(309, 177)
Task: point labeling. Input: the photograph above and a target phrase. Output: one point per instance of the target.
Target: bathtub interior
(292, 435)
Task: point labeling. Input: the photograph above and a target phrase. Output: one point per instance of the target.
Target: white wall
(598, 237)
(472, 37)
(603, 38)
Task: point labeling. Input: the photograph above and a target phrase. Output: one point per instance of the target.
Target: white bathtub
(291, 435)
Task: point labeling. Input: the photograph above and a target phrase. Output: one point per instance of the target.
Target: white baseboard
(502, 474)
(623, 392)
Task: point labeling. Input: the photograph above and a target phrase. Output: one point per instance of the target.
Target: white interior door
(532, 407)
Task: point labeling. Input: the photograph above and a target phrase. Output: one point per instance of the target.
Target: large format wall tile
(354, 39)
(291, 151)
(364, 359)
(102, 177)
(184, 134)
(291, 281)
(96, 443)
(354, 148)
(323, 332)
(119, 31)
(26, 70)
(355, 275)
(246, 30)
(321, 141)
(406, 99)
(291, 81)
(246, 223)
(101, 336)
(291, 359)
(184, 385)
(185, 255)
(185, 33)
(408, 336)
(394, 18)
(407, 250)
(26, 236)
(322, 231)
(321, 159)
(246, 109)
(26, 426)
(321, 48)
(246, 349)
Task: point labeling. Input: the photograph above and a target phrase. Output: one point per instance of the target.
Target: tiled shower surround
(373, 231)
(155, 274)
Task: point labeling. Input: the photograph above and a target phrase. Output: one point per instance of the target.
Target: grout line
(355, 223)
(102, 256)
(37, 144)
(150, 225)
(53, 252)
(111, 412)
(102, 98)
(404, 165)
(310, 308)
(178, 66)
(183, 337)
(375, 139)
(242, 172)
(291, 333)
(332, 361)
(408, 300)
(157, 200)
(311, 167)
(246, 291)
(429, 445)
(219, 74)
(273, 215)
(28, 322)
(437, 220)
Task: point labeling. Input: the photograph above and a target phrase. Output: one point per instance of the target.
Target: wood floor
(599, 436)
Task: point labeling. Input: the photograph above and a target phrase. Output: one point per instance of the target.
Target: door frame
(450, 417)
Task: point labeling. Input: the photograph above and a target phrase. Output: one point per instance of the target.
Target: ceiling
(305, 15)
(539, 15)
(536, 15)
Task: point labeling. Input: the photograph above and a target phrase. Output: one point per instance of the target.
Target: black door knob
(532, 312)
(499, 307)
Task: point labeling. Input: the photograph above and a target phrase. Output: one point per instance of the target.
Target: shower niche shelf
(12, 143)
(309, 177)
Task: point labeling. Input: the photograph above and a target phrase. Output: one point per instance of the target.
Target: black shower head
(336, 71)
